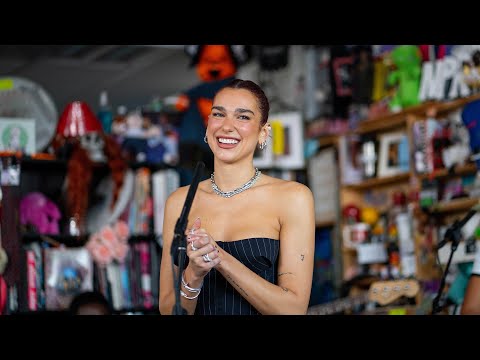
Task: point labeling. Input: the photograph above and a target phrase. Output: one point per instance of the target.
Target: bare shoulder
(287, 190)
(177, 198)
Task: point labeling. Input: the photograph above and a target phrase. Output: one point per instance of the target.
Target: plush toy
(469, 57)
(216, 66)
(39, 212)
(471, 119)
(406, 76)
(80, 138)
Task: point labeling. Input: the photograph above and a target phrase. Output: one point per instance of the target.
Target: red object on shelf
(351, 213)
(77, 119)
(3, 295)
(399, 198)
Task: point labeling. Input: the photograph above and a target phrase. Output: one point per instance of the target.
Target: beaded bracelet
(189, 288)
(189, 297)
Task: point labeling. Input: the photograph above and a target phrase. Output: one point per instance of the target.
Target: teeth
(228, 141)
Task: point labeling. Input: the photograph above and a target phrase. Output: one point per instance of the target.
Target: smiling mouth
(227, 141)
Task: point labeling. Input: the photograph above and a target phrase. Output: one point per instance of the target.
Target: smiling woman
(250, 251)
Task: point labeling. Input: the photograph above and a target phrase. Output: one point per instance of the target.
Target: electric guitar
(381, 292)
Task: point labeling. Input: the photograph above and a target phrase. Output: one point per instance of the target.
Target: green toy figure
(406, 76)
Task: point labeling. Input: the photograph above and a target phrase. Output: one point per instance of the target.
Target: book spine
(146, 277)
(31, 281)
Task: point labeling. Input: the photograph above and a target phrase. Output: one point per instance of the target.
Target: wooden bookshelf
(327, 140)
(447, 106)
(455, 205)
(393, 120)
(374, 182)
(324, 223)
(459, 170)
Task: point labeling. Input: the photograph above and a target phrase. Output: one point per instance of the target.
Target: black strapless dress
(218, 297)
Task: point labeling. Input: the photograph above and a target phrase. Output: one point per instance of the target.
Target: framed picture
(342, 69)
(394, 154)
(350, 159)
(17, 134)
(287, 140)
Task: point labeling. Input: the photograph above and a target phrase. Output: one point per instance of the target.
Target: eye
(217, 114)
(244, 117)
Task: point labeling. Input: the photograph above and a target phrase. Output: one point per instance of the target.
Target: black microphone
(453, 233)
(179, 242)
(182, 221)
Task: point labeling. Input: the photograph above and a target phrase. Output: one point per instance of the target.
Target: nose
(227, 125)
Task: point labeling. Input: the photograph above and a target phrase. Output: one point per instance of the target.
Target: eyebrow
(239, 110)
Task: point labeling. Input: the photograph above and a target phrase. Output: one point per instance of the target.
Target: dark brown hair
(256, 91)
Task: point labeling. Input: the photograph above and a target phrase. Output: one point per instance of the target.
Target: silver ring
(206, 258)
(193, 246)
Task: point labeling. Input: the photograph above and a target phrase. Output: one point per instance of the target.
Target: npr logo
(443, 79)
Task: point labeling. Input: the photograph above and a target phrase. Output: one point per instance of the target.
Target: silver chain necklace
(228, 194)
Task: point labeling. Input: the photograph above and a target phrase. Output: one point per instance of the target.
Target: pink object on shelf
(40, 212)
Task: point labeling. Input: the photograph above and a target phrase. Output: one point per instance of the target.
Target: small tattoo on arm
(285, 273)
(302, 257)
(237, 286)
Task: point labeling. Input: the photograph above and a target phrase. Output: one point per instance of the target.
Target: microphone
(453, 233)
(182, 221)
(179, 243)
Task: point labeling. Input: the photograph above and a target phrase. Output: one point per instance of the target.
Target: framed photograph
(17, 134)
(394, 154)
(323, 180)
(342, 70)
(350, 159)
(287, 140)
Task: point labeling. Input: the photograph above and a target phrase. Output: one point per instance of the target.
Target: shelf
(327, 140)
(67, 240)
(44, 166)
(389, 121)
(467, 169)
(447, 106)
(456, 205)
(367, 184)
(324, 223)
(78, 241)
(136, 238)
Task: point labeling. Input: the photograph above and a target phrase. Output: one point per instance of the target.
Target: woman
(471, 300)
(250, 240)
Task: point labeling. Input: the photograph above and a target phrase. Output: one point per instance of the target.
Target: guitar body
(380, 292)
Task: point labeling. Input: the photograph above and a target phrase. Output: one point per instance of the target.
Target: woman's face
(233, 129)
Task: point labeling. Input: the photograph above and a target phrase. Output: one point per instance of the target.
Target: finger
(215, 262)
(203, 232)
(198, 240)
(213, 254)
(197, 224)
(207, 249)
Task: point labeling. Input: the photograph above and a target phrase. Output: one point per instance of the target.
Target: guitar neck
(338, 306)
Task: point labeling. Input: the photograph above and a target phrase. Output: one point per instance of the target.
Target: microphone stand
(179, 242)
(453, 234)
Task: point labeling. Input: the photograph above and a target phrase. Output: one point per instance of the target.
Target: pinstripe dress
(218, 297)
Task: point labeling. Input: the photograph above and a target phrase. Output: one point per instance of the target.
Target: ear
(264, 133)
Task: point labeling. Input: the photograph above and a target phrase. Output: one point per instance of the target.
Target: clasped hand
(202, 250)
